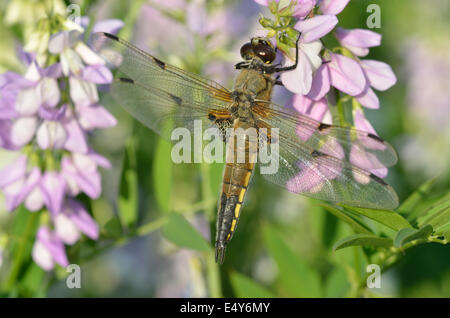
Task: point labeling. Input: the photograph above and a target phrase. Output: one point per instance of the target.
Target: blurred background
(205, 37)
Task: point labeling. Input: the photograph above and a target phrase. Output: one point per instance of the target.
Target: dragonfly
(318, 160)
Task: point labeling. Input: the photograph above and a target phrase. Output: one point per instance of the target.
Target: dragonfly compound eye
(247, 51)
(265, 52)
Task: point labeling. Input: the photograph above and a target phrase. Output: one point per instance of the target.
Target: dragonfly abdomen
(235, 182)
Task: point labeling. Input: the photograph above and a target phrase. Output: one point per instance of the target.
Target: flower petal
(66, 229)
(360, 38)
(298, 80)
(83, 220)
(50, 246)
(49, 92)
(35, 200)
(95, 117)
(346, 75)
(110, 26)
(76, 137)
(316, 27)
(14, 171)
(303, 8)
(51, 134)
(23, 130)
(32, 180)
(28, 101)
(83, 93)
(361, 123)
(53, 188)
(333, 6)
(97, 74)
(320, 83)
(368, 99)
(42, 256)
(379, 74)
(89, 57)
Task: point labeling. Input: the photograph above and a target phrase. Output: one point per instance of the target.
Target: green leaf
(408, 206)
(180, 232)
(22, 237)
(391, 219)
(32, 280)
(337, 284)
(246, 287)
(444, 231)
(357, 225)
(409, 234)
(362, 240)
(296, 276)
(113, 227)
(162, 174)
(128, 193)
(439, 214)
(443, 228)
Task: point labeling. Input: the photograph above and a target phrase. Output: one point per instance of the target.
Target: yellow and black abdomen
(236, 179)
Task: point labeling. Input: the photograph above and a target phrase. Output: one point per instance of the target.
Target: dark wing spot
(126, 80)
(375, 137)
(377, 179)
(160, 63)
(316, 153)
(176, 99)
(111, 36)
(211, 117)
(323, 126)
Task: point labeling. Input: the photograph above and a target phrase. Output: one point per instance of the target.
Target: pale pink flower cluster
(46, 115)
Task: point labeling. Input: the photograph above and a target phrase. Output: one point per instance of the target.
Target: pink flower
(30, 107)
(43, 92)
(379, 74)
(303, 8)
(309, 107)
(53, 188)
(333, 6)
(316, 27)
(299, 80)
(81, 173)
(358, 41)
(48, 250)
(341, 72)
(362, 158)
(17, 182)
(74, 220)
(95, 116)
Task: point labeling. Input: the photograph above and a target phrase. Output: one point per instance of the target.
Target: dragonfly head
(260, 48)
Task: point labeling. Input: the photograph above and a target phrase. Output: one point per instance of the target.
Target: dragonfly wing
(365, 150)
(160, 95)
(319, 166)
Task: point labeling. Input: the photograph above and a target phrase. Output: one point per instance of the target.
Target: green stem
(140, 231)
(391, 257)
(18, 260)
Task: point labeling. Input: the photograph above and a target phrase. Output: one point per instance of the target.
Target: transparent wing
(327, 162)
(159, 95)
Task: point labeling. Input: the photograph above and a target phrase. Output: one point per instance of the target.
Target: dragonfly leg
(277, 81)
(286, 68)
(241, 65)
